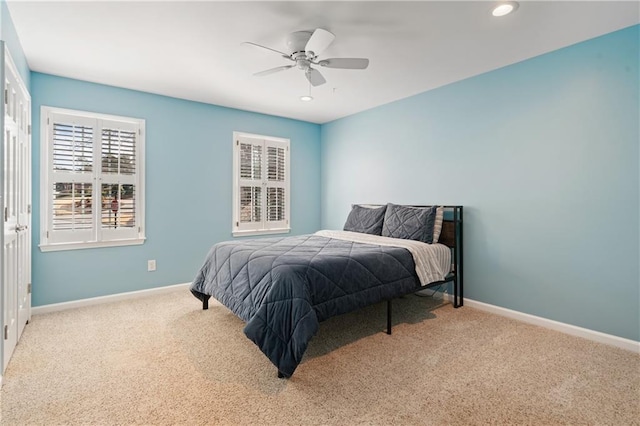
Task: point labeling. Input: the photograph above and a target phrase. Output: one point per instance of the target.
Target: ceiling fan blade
(345, 63)
(268, 48)
(319, 40)
(273, 70)
(314, 77)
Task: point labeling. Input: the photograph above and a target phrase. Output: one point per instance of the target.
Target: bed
(284, 287)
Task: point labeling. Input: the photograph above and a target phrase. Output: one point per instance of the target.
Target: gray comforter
(283, 287)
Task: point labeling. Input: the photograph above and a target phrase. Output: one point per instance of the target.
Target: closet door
(16, 245)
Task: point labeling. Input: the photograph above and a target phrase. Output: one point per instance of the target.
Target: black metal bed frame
(456, 276)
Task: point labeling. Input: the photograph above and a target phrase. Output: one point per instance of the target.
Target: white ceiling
(192, 50)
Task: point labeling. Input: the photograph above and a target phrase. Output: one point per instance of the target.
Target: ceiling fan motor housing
(296, 43)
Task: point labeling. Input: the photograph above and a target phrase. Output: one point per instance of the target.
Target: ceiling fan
(304, 48)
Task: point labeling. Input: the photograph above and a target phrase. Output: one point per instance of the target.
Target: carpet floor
(162, 360)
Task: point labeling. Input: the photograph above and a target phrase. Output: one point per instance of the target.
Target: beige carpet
(162, 360)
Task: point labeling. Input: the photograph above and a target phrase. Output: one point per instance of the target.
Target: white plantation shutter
(91, 180)
(250, 184)
(276, 185)
(118, 180)
(71, 141)
(261, 184)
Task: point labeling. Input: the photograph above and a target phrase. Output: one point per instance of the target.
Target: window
(261, 185)
(92, 180)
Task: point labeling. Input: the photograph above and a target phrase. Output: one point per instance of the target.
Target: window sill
(264, 232)
(88, 245)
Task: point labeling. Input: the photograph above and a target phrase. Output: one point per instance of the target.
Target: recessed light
(505, 8)
(306, 98)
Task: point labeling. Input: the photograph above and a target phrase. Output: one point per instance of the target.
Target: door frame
(7, 61)
(2, 202)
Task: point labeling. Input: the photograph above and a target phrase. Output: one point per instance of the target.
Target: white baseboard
(54, 307)
(596, 336)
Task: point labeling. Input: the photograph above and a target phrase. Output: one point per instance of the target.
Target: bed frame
(451, 236)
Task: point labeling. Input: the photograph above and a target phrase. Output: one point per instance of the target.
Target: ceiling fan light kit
(303, 49)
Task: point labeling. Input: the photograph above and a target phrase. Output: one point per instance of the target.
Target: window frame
(96, 237)
(262, 227)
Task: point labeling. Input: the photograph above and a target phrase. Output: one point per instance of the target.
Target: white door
(16, 254)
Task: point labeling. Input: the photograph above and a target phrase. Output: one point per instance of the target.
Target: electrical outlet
(151, 265)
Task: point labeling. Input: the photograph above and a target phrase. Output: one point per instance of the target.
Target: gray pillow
(409, 223)
(365, 220)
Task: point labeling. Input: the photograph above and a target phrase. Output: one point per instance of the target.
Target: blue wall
(544, 156)
(188, 188)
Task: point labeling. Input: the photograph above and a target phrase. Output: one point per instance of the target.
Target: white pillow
(368, 206)
(437, 226)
